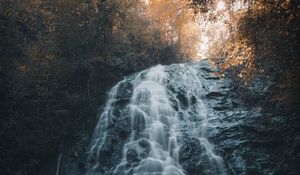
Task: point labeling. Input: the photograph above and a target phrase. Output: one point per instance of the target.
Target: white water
(165, 107)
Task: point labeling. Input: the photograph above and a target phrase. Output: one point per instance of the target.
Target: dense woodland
(59, 58)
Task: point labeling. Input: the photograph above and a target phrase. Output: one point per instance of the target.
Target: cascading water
(148, 122)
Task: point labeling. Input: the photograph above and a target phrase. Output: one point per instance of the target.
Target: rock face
(182, 119)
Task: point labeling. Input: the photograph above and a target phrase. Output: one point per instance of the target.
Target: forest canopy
(254, 38)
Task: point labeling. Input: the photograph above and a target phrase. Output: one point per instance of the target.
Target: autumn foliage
(254, 39)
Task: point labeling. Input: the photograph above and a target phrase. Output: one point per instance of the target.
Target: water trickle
(163, 107)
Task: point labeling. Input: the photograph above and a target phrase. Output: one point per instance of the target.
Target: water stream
(149, 120)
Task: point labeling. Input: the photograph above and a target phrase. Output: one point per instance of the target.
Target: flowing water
(150, 120)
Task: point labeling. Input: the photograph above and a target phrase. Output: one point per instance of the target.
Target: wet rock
(125, 90)
(116, 111)
(212, 77)
(181, 116)
(137, 151)
(194, 99)
(174, 104)
(109, 155)
(214, 94)
(189, 155)
(207, 69)
(132, 155)
(220, 108)
(183, 100)
(145, 148)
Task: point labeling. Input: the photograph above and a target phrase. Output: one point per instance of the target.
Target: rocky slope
(247, 138)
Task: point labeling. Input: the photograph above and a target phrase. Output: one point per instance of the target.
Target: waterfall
(150, 121)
